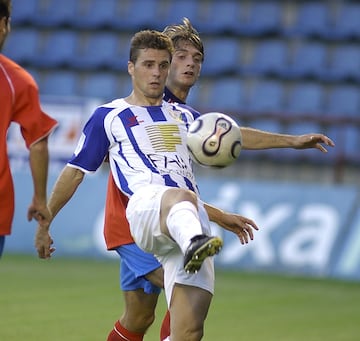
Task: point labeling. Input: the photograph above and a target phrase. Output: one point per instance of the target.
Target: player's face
(149, 72)
(185, 66)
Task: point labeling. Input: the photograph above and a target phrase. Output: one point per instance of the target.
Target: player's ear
(131, 68)
(3, 24)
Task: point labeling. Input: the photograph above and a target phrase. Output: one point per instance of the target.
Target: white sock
(183, 223)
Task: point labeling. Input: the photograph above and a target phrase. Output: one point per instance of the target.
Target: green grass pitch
(78, 300)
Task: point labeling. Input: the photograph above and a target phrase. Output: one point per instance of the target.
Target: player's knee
(146, 320)
(188, 333)
(175, 195)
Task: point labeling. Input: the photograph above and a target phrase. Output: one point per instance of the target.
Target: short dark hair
(149, 39)
(5, 8)
(184, 32)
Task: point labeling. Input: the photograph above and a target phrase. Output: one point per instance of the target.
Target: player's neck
(142, 100)
(180, 93)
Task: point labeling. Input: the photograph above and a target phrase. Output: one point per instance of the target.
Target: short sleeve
(93, 145)
(34, 123)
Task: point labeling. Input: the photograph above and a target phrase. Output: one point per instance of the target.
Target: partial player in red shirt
(19, 102)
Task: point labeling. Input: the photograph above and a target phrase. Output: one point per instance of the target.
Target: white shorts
(143, 214)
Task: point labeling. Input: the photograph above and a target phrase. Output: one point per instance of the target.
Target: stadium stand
(23, 46)
(223, 56)
(224, 16)
(351, 143)
(60, 83)
(266, 96)
(277, 64)
(58, 49)
(312, 19)
(23, 11)
(347, 23)
(146, 11)
(176, 10)
(226, 93)
(93, 15)
(50, 14)
(262, 18)
(110, 52)
(309, 61)
(270, 58)
(343, 102)
(305, 99)
(102, 85)
(344, 63)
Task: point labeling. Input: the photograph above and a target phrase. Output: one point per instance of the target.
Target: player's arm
(258, 139)
(241, 226)
(39, 160)
(64, 188)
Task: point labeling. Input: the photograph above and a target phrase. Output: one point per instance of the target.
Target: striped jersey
(145, 145)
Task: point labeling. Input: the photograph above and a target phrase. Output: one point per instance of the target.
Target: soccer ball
(214, 139)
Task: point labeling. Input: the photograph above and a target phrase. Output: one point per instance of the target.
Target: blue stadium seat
(22, 45)
(102, 85)
(103, 50)
(266, 96)
(222, 56)
(264, 17)
(177, 9)
(59, 49)
(60, 83)
(312, 20)
(126, 15)
(347, 22)
(266, 124)
(140, 14)
(347, 140)
(126, 85)
(270, 58)
(50, 14)
(219, 17)
(94, 14)
(306, 99)
(352, 143)
(309, 61)
(226, 95)
(343, 101)
(344, 63)
(303, 127)
(23, 12)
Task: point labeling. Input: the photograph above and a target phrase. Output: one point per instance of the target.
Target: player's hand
(44, 242)
(39, 212)
(241, 226)
(313, 141)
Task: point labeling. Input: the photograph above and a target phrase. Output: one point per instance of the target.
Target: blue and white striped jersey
(144, 144)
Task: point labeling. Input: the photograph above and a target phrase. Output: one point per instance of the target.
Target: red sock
(119, 333)
(165, 327)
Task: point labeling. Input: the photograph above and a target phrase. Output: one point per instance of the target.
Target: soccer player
(19, 102)
(140, 280)
(145, 139)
